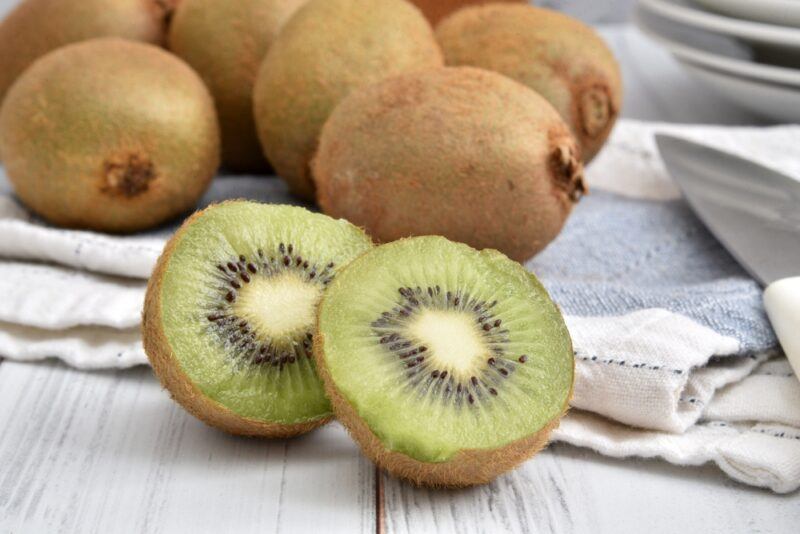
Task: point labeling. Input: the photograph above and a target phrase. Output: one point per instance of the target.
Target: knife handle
(782, 302)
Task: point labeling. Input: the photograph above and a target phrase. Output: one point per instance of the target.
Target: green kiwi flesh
(443, 352)
(230, 312)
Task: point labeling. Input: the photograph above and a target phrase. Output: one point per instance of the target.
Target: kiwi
(230, 310)
(225, 43)
(36, 27)
(110, 135)
(436, 10)
(455, 151)
(559, 57)
(328, 48)
(448, 365)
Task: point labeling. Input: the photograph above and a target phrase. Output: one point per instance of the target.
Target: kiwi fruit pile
(559, 57)
(329, 48)
(231, 309)
(110, 135)
(444, 143)
(225, 42)
(393, 177)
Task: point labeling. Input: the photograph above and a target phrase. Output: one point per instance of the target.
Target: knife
(755, 213)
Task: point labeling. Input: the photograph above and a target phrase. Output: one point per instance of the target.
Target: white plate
(721, 63)
(777, 102)
(780, 12)
(718, 52)
(782, 37)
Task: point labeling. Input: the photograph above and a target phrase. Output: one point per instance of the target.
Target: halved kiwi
(230, 310)
(448, 365)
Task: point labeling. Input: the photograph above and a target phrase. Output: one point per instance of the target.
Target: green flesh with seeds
(239, 300)
(441, 348)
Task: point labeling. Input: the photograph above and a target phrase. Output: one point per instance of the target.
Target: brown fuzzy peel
(460, 152)
(556, 55)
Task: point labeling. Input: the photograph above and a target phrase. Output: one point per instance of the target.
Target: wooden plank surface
(110, 452)
(565, 489)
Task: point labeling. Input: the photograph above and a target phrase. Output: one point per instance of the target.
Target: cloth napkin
(675, 357)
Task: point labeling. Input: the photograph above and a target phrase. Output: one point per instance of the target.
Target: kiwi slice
(230, 310)
(448, 365)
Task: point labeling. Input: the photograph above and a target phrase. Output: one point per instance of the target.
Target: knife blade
(754, 212)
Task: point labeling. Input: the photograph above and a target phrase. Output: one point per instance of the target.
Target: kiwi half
(225, 43)
(454, 151)
(109, 134)
(448, 365)
(230, 311)
(558, 56)
(327, 49)
(36, 27)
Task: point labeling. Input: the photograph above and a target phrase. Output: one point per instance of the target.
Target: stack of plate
(747, 50)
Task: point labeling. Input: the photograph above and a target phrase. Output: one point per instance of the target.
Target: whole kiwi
(225, 43)
(559, 57)
(436, 10)
(109, 134)
(327, 49)
(36, 27)
(460, 152)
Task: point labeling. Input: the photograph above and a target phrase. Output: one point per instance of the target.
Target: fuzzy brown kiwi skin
(558, 56)
(327, 49)
(225, 43)
(381, 162)
(36, 27)
(436, 10)
(168, 369)
(469, 467)
(109, 134)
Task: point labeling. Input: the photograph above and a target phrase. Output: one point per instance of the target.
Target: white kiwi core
(278, 306)
(452, 338)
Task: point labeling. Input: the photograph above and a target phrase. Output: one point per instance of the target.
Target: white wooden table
(109, 452)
